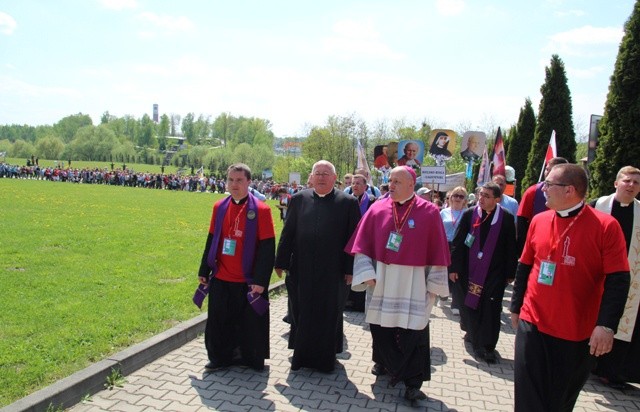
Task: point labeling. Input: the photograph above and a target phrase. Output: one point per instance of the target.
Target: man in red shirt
(569, 294)
(235, 270)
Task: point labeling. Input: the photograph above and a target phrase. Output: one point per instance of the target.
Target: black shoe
(213, 366)
(490, 357)
(378, 370)
(286, 319)
(414, 394)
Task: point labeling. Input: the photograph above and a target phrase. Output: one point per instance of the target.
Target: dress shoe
(213, 366)
(490, 357)
(378, 370)
(414, 394)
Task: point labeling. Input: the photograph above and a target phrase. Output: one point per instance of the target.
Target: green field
(88, 270)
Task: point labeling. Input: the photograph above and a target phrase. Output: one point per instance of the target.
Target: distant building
(155, 113)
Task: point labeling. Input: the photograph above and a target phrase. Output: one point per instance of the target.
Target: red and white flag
(551, 153)
(499, 161)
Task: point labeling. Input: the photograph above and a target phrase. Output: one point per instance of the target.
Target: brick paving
(177, 381)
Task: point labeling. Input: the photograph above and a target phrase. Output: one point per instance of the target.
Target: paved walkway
(177, 382)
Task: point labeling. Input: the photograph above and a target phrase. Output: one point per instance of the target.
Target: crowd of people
(394, 253)
(194, 182)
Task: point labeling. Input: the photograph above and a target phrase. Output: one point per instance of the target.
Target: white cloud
(170, 23)
(450, 7)
(584, 40)
(23, 89)
(119, 4)
(7, 24)
(355, 39)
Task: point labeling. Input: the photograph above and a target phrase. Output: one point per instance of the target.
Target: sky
(461, 64)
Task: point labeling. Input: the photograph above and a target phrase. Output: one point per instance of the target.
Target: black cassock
(483, 324)
(311, 248)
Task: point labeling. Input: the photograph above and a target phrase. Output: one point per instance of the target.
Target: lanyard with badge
(395, 238)
(468, 241)
(229, 244)
(547, 266)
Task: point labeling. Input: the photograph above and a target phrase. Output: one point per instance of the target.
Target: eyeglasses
(457, 196)
(546, 184)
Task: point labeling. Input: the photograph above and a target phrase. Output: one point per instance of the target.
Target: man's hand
(256, 289)
(371, 282)
(348, 279)
(601, 341)
(203, 280)
(279, 272)
(515, 317)
(453, 276)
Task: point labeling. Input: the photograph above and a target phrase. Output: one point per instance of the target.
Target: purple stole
(364, 203)
(539, 201)
(248, 251)
(479, 267)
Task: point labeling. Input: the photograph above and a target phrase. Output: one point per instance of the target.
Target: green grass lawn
(88, 270)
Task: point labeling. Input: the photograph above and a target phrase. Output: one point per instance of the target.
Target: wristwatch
(606, 329)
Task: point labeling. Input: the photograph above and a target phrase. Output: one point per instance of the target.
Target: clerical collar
(241, 201)
(319, 195)
(620, 203)
(572, 211)
(406, 200)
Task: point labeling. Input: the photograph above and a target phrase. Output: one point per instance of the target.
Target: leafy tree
(263, 158)
(202, 129)
(521, 141)
(49, 148)
(174, 121)
(196, 155)
(124, 151)
(222, 128)
(284, 165)
(16, 132)
(243, 153)
(188, 128)
(554, 113)
(106, 118)
(164, 128)
(146, 132)
(620, 126)
(21, 148)
(67, 127)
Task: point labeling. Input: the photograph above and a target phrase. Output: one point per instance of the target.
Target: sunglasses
(457, 196)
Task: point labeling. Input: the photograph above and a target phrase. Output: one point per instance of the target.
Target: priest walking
(484, 260)
(401, 256)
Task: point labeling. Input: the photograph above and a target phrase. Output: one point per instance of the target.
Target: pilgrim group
(395, 255)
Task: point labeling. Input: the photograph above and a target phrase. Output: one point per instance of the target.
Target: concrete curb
(70, 390)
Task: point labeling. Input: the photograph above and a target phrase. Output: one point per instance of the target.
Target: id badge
(229, 247)
(394, 241)
(547, 272)
(468, 241)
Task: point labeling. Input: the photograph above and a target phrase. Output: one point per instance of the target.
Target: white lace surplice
(403, 296)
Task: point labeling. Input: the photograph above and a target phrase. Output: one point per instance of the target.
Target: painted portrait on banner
(443, 142)
(473, 145)
(381, 157)
(412, 152)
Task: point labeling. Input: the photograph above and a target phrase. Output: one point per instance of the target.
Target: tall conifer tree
(619, 143)
(520, 145)
(555, 113)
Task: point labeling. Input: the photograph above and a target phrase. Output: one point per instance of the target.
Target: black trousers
(549, 372)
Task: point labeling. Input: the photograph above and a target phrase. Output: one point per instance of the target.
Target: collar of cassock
(572, 211)
(406, 200)
(621, 204)
(241, 201)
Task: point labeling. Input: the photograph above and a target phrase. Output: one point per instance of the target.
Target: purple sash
(539, 201)
(364, 203)
(479, 267)
(258, 303)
